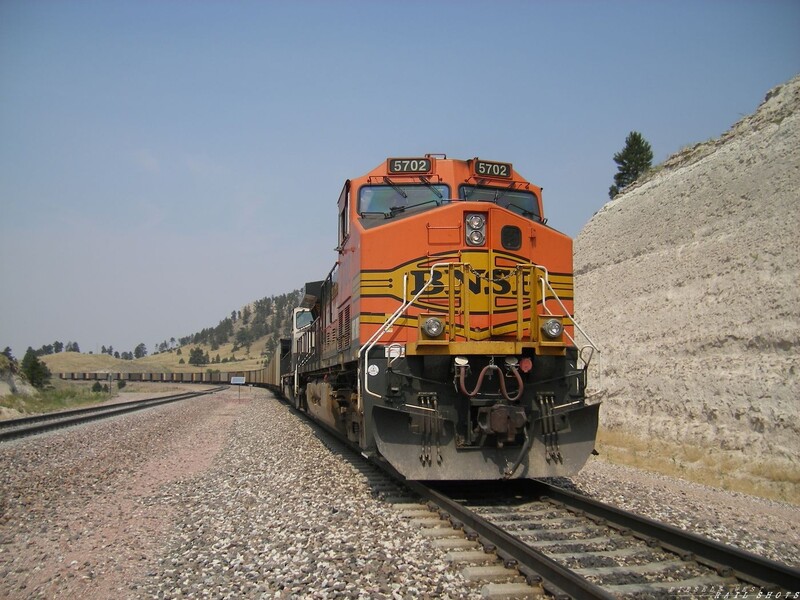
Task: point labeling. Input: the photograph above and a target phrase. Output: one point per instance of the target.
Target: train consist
(195, 377)
(443, 340)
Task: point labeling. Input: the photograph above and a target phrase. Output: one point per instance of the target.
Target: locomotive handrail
(376, 336)
(365, 349)
(373, 340)
(546, 282)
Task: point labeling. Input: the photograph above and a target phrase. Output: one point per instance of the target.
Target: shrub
(35, 370)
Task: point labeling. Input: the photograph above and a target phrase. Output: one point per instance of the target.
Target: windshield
(302, 318)
(392, 199)
(520, 202)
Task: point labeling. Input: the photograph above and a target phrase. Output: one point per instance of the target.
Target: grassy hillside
(164, 362)
(242, 341)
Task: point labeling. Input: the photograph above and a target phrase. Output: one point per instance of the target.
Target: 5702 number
(492, 169)
(409, 165)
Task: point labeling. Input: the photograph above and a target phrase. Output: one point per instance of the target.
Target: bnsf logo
(501, 282)
(490, 287)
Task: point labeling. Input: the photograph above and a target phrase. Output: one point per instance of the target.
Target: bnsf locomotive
(443, 338)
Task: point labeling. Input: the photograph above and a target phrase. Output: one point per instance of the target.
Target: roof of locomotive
(311, 292)
(450, 168)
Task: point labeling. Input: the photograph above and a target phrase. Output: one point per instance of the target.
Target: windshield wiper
(398, 209)
(395, 187)
(499, 193)
(429, 185)
(525, 211)
(372, 213)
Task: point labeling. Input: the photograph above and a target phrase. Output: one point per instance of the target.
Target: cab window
(390, 201)
(344, 214)
(518, 201)
(302, 318)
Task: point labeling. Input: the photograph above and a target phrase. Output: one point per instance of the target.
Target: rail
(24, 426)
(541, 554)
(365, 349)
(744, 565)
(721, 566)
(533, 564)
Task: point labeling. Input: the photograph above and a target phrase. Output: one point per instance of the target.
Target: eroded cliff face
(690, 285)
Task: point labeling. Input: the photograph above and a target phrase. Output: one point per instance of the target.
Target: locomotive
(443, 339)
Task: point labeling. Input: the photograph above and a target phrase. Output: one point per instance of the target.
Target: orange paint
(400, 223)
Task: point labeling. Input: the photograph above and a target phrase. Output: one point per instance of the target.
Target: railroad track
(17, 428)
(523, 538)
(576, 547)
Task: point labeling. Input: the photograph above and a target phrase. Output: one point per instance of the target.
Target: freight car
(443, 339)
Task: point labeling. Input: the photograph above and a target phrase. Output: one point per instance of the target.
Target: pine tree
(197, 357)
(35, 370)
(633, 160)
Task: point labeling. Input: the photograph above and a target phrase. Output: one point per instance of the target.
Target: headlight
(475, 238)
(433, 326)
(475, 221)
(553, 328)
(475, 229)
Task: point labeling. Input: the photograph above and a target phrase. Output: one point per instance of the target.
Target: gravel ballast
(136, 507)
(282, 515)
(221, 497)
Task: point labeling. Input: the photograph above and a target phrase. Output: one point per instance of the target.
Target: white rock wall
(690, 285)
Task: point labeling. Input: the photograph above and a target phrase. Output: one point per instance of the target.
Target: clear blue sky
(163, 163)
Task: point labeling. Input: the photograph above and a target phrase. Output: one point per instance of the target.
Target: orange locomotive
(442, 340)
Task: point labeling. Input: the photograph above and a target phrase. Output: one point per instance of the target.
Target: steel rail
(534, 565)
(74, 411)
(746, 566)
(24, 426)
(561, 581)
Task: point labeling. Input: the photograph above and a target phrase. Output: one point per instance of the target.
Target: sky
(163, 163)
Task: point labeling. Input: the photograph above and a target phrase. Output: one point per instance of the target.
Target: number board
(492, 169)
(397, 166)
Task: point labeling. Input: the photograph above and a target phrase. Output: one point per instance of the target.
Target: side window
(302, 318)
(344, 214)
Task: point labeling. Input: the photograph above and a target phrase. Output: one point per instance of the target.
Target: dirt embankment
(690, 284)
